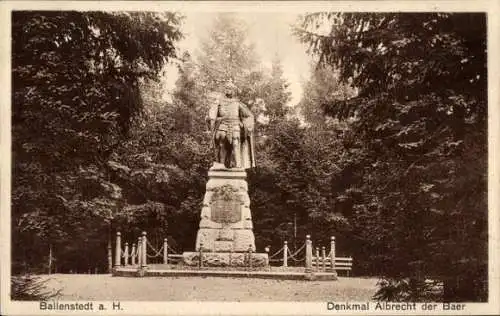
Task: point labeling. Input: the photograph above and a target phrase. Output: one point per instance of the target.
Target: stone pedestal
(225, 232)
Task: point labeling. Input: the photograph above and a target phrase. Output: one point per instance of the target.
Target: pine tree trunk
(463, 289)
(50, 258)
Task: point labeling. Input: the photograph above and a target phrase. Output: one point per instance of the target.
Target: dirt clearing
(106, 287)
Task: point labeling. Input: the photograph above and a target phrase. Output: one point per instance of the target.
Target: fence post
(125, 255)
(118, 249)
(308, 253)
(139, 251)
(267, 249)
(144, 250)
(349, 270)
(110, 255)
(332, 253)
(285, 254)
(165, 251)
(133, 254)
(317, 258)
(200, 256)
(250, 256)
(323, 257)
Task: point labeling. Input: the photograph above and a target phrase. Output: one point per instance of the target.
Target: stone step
(318, 276)
(225, 235)
(223, 245)
(226, 259)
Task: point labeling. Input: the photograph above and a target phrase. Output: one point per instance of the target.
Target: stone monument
(225, 236)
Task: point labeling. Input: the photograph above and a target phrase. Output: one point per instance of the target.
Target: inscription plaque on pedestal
(226, 205)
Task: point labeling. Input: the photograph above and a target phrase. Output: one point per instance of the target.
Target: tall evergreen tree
(75, 83)
(418, 182)
(227, 54)
(276, 94)
(323, 87)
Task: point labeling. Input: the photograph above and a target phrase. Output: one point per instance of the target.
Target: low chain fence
(316, 259)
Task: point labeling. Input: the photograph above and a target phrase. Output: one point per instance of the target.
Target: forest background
(386, 149)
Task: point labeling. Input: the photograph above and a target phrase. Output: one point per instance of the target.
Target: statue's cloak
(247, 141)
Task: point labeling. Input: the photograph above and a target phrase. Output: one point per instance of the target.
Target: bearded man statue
(232, 126)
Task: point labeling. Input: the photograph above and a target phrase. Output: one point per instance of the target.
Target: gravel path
(105, 287)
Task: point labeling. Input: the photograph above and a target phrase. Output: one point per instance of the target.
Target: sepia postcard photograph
(248, 158)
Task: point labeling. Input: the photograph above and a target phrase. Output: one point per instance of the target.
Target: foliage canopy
(76, 78)
(419, 190)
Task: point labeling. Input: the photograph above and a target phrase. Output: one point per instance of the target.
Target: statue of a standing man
(232, 127)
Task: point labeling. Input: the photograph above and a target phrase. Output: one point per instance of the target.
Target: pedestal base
(225, 235)
(226, 220)
(225, 240)
(225, 259)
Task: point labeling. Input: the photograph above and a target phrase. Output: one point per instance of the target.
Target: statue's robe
(232, 116)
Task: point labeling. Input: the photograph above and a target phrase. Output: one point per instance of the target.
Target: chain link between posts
(133, 253)
(172, 250)
(276, 253)
(158, 253)
(292, 256)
